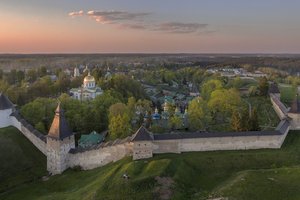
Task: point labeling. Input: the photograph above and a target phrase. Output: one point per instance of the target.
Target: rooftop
(59, 128)
(5, 103)
(142, 134)
(191, 135)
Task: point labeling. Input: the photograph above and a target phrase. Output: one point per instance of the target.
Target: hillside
(20, 161)
(234, 174)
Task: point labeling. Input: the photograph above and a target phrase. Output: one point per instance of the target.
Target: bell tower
(60, 140)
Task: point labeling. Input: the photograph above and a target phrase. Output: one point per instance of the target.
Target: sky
(149, 26)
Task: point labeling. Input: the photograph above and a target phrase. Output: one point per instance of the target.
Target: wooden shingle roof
(59, 128)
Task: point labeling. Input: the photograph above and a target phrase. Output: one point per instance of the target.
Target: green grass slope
(20, 161)
(198, 175)
(279, 183)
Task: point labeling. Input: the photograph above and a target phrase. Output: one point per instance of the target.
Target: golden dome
(89, 78)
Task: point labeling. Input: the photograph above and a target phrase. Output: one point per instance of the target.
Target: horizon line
(146, 53)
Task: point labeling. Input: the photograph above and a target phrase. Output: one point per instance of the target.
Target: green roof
(91, 139)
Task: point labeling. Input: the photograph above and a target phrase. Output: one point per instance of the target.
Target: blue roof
(156, 116)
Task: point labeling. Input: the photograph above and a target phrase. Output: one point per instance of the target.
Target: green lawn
(267, 117)
(233, 174)
(280, 183)
(288, 94)
(20, 161)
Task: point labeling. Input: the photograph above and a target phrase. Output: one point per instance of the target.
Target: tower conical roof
(59, 128)
(5, 103)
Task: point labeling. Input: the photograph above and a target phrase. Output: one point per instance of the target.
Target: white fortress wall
(250, 140)
(15, 122)
(217, 143)
(36, 141)
(278, 106)
(295, 123)
(36, 138)
(5, 120)
(100, 156)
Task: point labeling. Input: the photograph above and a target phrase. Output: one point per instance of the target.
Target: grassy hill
(20, 161)
(254, 174)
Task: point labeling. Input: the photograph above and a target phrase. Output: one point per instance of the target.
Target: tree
(20, 76)
(126, 86)
(119, 121)
(236, 121)
(88, 120)
(252, 90)
(31, 75)
(41, 127)
(224, 101)
(210, 86)
(63, 82)
(97, 73)
(131, 103)
(263, 86)
(119, 126)
(101, 105)
(3, 85)
(39, 110)
(42, 71)
(253, 121)
(237, 82)
(198, 114)
(240, 121)
(175, 122)
(118, 109)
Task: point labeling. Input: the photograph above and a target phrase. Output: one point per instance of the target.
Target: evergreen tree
(175, 122)
(241, 121)
(236, 121)
(263, 86)
(245, 120)
(253, 122)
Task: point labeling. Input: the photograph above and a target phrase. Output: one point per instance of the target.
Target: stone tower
(142, 144)
(60, 140)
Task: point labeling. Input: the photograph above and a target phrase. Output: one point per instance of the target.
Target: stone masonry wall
(278, 106)
(295, 123)
(58, 154)
(5, 118)
(223, 143)
(39, 142)
(98, 157)
(218, 143)
(142, 149)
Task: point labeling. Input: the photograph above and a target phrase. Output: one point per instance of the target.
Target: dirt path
(164, 187)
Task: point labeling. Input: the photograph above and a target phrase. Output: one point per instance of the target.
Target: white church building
(88, 90)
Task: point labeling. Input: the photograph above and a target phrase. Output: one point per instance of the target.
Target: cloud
(141, 21)
(179, 27)
(76, 13)
(110, 17)
(132, 26)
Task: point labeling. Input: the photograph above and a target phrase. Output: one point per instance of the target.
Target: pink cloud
(76, 13)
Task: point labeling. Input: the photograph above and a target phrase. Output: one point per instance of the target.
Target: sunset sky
(149, 26)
